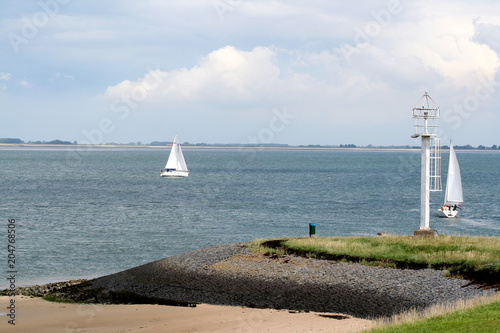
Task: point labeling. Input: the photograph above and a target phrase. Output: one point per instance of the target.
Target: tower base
(424, 233)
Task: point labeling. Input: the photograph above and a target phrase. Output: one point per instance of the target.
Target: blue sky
(237, 71)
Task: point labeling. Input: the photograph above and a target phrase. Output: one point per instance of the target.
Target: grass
(59, 299)
(477, 258)
(477, 315)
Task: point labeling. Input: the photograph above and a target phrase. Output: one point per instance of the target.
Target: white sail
(172, 158)
(180, 159)
(454, 180)
(176, 165)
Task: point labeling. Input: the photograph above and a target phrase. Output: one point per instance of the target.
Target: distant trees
(464, 147)
(160, 143)
(482, 147)
(19, 141)
(11, 140)
(59, 142)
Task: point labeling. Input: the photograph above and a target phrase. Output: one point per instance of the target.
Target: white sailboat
(454, 195)
(176, 165)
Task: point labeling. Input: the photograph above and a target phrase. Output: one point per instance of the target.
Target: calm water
(90, 213)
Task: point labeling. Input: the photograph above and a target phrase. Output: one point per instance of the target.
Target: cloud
(431, 46)
(5, 76)
(24, 83)
(227, 74)
(488, 34)
(63, 76)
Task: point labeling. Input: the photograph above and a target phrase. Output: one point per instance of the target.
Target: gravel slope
(229, 274)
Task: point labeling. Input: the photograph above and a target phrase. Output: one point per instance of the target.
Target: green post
(312, 229)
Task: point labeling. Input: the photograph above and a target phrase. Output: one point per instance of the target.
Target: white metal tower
(425, 115)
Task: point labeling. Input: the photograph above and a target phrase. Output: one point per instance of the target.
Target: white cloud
(63, 76)
(5, 76)
(488, 33)
(24, 83)
(434, 44)
(226, 75)
(455, 55)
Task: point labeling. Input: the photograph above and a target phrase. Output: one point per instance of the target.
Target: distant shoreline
(41, 146)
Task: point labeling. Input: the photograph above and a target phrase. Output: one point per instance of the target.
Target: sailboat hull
(446, 212)
(174, 173)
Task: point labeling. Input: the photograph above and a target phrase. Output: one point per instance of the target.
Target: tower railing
(435, 183)
(425, 115)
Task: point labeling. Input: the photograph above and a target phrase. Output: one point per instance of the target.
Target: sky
(243, 71)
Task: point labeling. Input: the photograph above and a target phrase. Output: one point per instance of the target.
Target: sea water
(83, 213)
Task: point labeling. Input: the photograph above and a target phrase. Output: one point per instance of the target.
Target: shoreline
(189, 147)
(29, 146)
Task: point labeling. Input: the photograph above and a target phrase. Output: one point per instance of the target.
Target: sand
(38, 315)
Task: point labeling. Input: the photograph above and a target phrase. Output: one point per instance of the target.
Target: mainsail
(176, 158)
(454, 193)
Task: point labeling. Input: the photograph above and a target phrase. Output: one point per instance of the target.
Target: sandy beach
(38, 315)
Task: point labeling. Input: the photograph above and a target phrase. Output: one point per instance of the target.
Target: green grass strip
(484, 319)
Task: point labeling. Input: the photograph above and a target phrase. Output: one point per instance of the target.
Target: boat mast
(425, 117)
